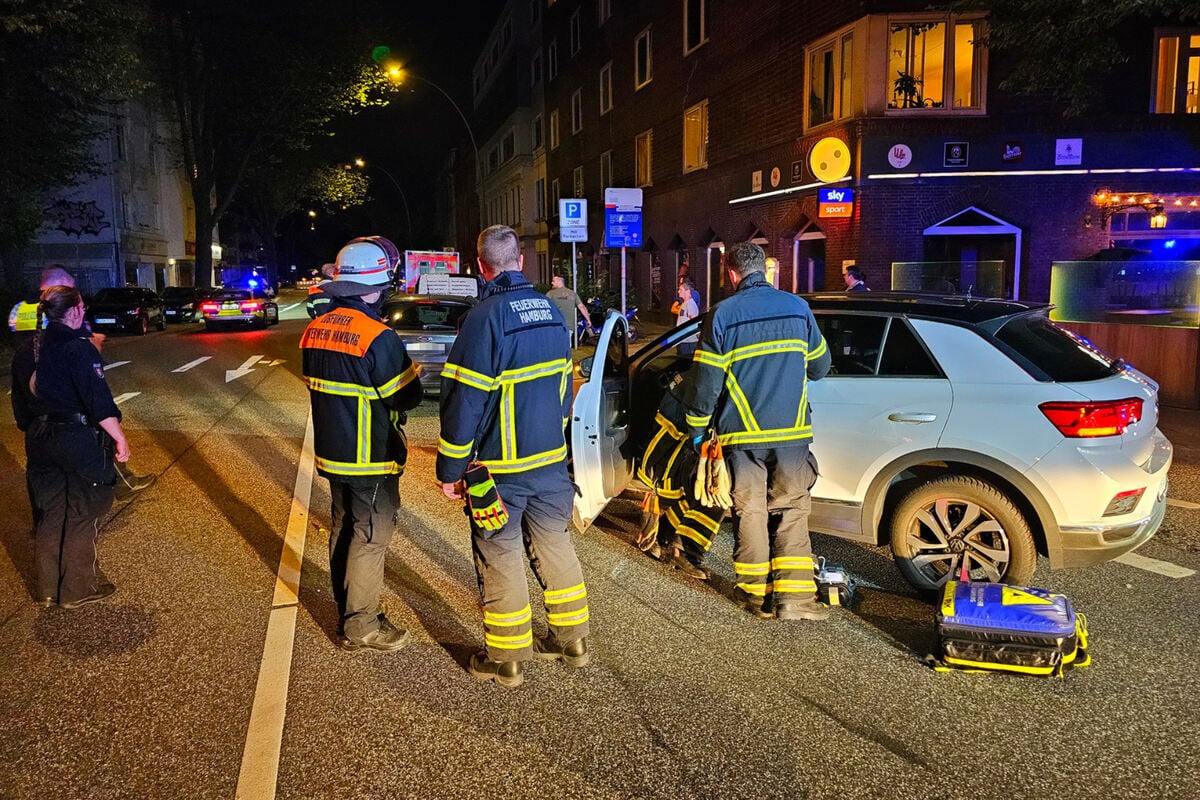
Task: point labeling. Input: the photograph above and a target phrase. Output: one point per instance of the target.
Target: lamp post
(361, 164)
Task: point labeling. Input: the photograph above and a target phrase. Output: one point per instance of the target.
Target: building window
(695, 24)
(535, 69)
(539, 198)
(935, 64)
(606, 179)
(552, 60)
(554, 197)
(554, 129)
(606, 88)
(695, 137)
(643, 148)
(577, 181)
(577, 111)
(603, 11)
(535, 133)
(643, 57)
(1176, 72)
(508, 146)
(575, 40)
(830, 73)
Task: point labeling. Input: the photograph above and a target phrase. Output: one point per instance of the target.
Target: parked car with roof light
(183, 302)
(238, 307)
(131, 309)
(953, 429)
(428, 326)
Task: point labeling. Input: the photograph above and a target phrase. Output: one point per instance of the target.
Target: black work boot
(129, 482)
(387, 637)
(506, 673)
(755, 605)
(809, 610)
(688, 564)
(573, 654)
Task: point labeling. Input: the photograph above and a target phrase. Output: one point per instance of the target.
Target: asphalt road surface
(206, 677)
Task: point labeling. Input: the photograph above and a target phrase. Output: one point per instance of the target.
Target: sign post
(572, 215)
(623, 225)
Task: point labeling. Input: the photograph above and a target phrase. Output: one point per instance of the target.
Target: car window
(112, 295)
(904, 355)
(231, 294)
(426, 316)
(178, 293)
(1056, 352)
(854, 342)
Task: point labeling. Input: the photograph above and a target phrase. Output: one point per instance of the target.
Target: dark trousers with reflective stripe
(364, 519)
(537, 524)
(772, 556)
(689, 525)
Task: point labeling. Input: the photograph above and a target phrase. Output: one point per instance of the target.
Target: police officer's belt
(64, 418)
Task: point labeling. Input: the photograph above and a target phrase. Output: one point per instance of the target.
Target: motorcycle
(585, 332)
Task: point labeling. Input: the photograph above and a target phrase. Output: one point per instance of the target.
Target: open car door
(600, 424)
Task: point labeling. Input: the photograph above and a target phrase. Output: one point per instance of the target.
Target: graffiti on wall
(75, 218)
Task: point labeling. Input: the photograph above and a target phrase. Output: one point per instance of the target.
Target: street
(205, 676)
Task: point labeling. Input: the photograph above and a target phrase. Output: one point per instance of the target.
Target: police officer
(506, 397)
(758, 350)
(73, 432)
(360, 381)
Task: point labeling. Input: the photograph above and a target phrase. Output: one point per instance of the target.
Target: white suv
(950, 428)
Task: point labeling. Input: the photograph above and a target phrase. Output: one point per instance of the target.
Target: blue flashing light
(253, 284)
(1169, 244)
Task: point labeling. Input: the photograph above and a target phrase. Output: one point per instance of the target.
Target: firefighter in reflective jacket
(506, 397)
(360, 381)
(758, 350)
(319, 300)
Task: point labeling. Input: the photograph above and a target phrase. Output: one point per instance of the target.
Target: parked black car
(130, 308)
(183, 302)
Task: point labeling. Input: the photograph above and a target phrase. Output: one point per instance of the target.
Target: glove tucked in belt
(483, 498)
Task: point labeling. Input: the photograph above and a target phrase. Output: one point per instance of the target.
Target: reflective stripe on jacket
(506, 386)
(360, 381)
(759, 348)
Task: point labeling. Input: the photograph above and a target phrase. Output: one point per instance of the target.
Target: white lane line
(121, 398)
(115, 364)
(244, 369)
(1154, 565)
(1182, 503)
(191, 364)
(260, 757)
(293, 305)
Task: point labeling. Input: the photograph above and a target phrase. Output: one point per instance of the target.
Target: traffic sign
(573, 234)
(572, 219)
(623, 217)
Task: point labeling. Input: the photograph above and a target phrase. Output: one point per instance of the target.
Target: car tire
(162, 321)
(273, 317)
(935, 525)
(143, 326)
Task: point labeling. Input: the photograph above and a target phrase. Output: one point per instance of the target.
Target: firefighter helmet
(367, 260)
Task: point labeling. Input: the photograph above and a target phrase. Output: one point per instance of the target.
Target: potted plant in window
(908, 89)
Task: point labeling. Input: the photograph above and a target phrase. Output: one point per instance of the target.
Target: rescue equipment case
(993, 626)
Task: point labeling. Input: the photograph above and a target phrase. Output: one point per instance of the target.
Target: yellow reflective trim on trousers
(721, 362)
(794, 587)
(667, 493)
(768, 348)
(454, 450)
(469, 377)
(702, 519)
(673, 517)
(667, 428)
(535, 371)
(792, 562)
(339, 389)
(767, 437)
(698, 422)
(819, 350)
(505, 620)
(693, 534)
(368, 468)
(566, 619)
(528, 462)
(743, 405)
(756, 589)
(517, 642)
(557, 596)
(400, 381)
(763, 568)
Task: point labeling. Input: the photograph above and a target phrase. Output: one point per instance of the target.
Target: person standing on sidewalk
(360, 381)
(758, 350)
(506, 399)
(567, 301)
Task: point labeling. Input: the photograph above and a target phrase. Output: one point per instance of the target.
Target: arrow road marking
(279, 361)
(1154, 565)
(244, 369)
(191, 364)
(114, 365)
(121, 398)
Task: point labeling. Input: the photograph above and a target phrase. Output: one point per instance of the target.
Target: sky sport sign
(835, 203)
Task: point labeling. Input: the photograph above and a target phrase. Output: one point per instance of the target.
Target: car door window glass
(903, 353)
(854, 342)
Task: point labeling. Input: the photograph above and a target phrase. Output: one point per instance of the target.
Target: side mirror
(585, 367)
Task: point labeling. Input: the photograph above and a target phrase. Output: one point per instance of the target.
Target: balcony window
(1177, 72)
(935, 64)
(695, 137)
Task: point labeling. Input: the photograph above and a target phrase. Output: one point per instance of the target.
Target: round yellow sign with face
(830, 159)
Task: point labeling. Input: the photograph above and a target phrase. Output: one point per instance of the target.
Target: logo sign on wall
(835, 203)
(829, 159)
(797, 171)
(1068, 152)
(775, 175)
(1013, 153)
(900, 156)
(956, 154)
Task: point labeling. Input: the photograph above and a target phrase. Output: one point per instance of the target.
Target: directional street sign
(572, 220)
(623, 217)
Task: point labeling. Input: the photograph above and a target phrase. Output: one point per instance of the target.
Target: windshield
(231, 294)
(118, 295)
(426, 315)
(1060, 354)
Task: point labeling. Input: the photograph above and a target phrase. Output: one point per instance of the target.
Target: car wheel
(143, 326)
(162, 321)
(273, 317)
(937, 525)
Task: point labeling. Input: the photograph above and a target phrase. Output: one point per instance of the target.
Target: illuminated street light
(362, 164)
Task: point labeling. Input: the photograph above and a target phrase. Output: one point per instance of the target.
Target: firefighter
(506, 398)
(319, 300)
(758, 350)
(361, 382)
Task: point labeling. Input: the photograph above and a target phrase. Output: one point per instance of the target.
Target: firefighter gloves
(712, 476)
(483, 499)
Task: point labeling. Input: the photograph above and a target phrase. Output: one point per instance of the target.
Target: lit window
(575, 33)
(577, 111)
(643, 147)
(606, 88)
(554, 129)
(535, 130)
(1177, 72)
(643, 57)
(577, 181)
(935, 64)
(695, 24)
(552, 60)
(606, 179)
(603, 11)
(695, 137)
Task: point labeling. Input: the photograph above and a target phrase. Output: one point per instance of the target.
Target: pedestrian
(72, 436)
(759, 348)
(361, 382)
(506, 400)
(567, 301)
(855, 282)
(687, 310)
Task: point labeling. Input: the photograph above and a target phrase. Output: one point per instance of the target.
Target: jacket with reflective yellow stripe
(360, 381)
(758, 350)
(506, 388)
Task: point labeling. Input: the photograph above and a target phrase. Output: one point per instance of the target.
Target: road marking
(121, 398)
(260, 757)
(191, 364)
(114, 365)
(1182, 503)
(1154, 565)
(279, 361)
(244, 369)
(293, 305)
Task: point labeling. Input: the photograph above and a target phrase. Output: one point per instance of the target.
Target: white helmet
(368, 260)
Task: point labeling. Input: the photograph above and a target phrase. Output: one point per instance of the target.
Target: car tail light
(1087, 420)
(207, 307)
(251, 305)
(1124, 502)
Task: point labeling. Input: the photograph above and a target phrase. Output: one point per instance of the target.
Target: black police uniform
(71, 468)
(506, 397)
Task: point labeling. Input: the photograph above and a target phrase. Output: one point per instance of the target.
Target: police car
(238, 307)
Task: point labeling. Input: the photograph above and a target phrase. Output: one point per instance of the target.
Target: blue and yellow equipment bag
(991, 626)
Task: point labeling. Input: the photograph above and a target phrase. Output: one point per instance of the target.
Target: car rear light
(207, 307)
(1124, 502)
(251, 305)
(1087, 420)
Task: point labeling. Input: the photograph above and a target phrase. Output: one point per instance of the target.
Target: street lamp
(361, 164)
